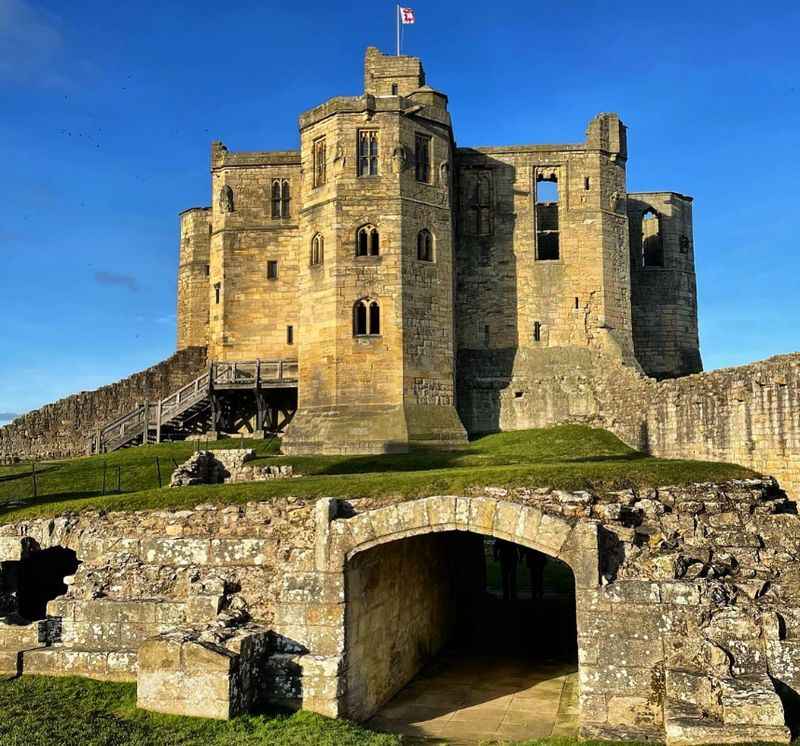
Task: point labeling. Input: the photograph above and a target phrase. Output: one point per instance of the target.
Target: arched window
(425, 246)
(367, 241)
(366, 318)
(652, 247)
(285, 197)
(276, 199)
(317, 250)
(280, 198)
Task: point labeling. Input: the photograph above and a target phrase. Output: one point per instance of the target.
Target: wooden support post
(146, 429)
(159, 410)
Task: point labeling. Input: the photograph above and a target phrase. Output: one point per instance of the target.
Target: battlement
(389, 75)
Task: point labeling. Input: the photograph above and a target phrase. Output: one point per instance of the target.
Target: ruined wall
(399, 600)
(62, 429)
(748, 415)
(663, 284)
(143, 574)
(510, 292)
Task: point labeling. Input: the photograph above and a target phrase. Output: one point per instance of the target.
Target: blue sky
(107, 111)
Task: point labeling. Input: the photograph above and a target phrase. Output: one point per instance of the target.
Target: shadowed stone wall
(62, 429)
(399, 600)
(748, 415)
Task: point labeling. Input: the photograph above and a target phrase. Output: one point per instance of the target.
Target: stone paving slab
(467, 699)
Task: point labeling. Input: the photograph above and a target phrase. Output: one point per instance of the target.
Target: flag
(406, 15)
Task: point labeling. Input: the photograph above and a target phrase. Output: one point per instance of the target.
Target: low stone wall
(748, 415)
(687, 601)
(62, 429)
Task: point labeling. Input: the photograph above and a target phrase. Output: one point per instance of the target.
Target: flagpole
(397, 20)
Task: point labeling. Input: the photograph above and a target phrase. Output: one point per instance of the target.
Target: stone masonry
(687, 606)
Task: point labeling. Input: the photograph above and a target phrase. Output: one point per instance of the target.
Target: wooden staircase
(194, 402)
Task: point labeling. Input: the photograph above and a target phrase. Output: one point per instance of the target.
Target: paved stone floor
(464, 698)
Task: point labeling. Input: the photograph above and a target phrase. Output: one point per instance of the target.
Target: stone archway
(314, 603)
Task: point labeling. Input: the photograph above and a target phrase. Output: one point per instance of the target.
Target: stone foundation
(688, 614)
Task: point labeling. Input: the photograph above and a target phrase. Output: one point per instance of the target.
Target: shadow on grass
(11, 505)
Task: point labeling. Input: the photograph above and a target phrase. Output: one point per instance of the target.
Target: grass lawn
(566, 457)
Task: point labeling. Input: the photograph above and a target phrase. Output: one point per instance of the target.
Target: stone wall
(748, 415)
(399, 600)
(63, 429)
(686, 602)
(664, 297)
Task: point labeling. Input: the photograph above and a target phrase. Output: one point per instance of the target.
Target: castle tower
(376, 349)
(663, 284)
(193, 273)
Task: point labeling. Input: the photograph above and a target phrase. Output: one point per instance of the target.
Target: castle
(403, 272)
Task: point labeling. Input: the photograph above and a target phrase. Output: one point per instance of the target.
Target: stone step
(9, 664)
(687, 724)
(59, 660)
(21, 636)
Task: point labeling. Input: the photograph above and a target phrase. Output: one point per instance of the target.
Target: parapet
(607, 132)
(388, 75)
(221, 157)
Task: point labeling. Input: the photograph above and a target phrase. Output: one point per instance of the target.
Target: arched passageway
(455, 634)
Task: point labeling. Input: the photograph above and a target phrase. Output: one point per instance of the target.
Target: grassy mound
(565, 457)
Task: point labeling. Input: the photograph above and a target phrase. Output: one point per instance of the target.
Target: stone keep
(275, 269)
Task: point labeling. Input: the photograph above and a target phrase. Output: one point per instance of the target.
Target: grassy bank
(566, 457)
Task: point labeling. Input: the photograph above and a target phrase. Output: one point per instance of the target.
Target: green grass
(40, 711)
(565, 457)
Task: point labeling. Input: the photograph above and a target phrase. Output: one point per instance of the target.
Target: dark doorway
(489, 628)
(41, 579)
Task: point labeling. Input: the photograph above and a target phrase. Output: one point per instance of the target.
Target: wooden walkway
(199, 395)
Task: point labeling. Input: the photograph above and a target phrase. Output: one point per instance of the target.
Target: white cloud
(30, 42)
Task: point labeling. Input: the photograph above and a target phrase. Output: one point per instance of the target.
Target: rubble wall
(63, 428)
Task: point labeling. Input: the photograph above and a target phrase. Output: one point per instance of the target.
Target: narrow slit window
(537, 331)
(423, 158)
(290, 335)
(394, 89)
(217, 289)
(587, 184)
(320, 174)
(272, 270)
(317, 250)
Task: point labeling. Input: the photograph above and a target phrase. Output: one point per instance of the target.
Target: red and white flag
(406, 16)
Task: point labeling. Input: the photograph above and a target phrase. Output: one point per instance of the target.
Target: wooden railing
(246, 374)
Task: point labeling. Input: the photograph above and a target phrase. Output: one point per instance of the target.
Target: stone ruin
(225, 466)
(687, 602)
